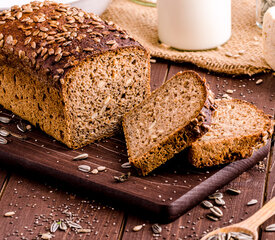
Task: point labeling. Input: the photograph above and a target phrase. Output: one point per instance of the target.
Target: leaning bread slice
(237, 129)
(161, 125)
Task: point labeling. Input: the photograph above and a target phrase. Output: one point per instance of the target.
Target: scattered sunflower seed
(252, 202)
(84, 168)
(54, 227)
(4, 132)
(5, 119)
(123, 177)
(81, 157)
(259, 81)
(126, 165)
(63, 226)
(84, 230)
(138, 227)
(270, 228)
(216, 211)
(219, 201)
(212, 218)
(94, 171)
(207, 204)
(21, 126)
(19, 136)
(156, 228)
(72, 224)
(230, 91)
(9, 214)
(46, 236)
(101, 168)
(233, 191)
(216, 195)
(3, 140)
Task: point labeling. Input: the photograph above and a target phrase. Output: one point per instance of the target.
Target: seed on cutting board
(207, 204)
(216, 211)
(230, 91)
(138, 228)
(126, 165)
(21, 127)
(216, 195)
(5, 119)
(219, 201)
(233, 191)
(84, 230)
(81, 157)
(101, 168)
(62, 226)
(259, 81)
(9, 214)
(84, 168)
(54, 227)
(270, 228)
(72, 224)
(94, 171)
(3, 140)
(252, 202)
(156, 228)
(212, 218)
(4, 132)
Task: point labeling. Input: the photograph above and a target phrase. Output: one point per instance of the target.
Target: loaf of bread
(69, 72)
(166, 122)
(237, 129)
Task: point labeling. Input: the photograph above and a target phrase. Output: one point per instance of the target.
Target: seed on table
(156, 228)
(9, 214)
(84, 230)
(259, 81)
(46, 236)
(3, 140)
(233, 191)
(212, 218)
(54, 227)
(81, 157)
(62, 226)
(270, 228)
(94, 171)
(138, 228)
(84, 168)
(72, 224)
(216, 211)
(5, 119)
(126, 165)
(4, 132)
(216, 195)
(219, 201)
(101, 168)
(21, 127)
(207, 204)
(252, 202)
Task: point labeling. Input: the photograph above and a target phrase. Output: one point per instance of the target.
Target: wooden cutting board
(166, 194)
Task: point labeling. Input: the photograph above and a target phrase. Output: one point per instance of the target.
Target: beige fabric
(141, 22)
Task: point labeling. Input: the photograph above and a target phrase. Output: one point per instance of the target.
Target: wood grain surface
(111, 223)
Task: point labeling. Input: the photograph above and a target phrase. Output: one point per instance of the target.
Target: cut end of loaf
(101, 90)
(238, 128)
(160, 126)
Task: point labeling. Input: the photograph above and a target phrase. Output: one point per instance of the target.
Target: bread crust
(226, 150)
(173, 143)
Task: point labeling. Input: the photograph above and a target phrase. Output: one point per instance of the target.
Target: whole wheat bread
(69, 72)
(237, 129)
(166, 122)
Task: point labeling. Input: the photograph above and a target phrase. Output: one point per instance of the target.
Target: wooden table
(37, 202)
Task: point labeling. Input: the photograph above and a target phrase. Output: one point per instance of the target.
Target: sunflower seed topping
(81, 157)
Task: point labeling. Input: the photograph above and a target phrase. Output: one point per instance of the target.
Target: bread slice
(69, 72)
(237, 129)
(166, 122)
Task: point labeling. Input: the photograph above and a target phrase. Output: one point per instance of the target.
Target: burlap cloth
(141, 22)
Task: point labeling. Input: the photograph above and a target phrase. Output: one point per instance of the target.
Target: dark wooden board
(165, 194)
